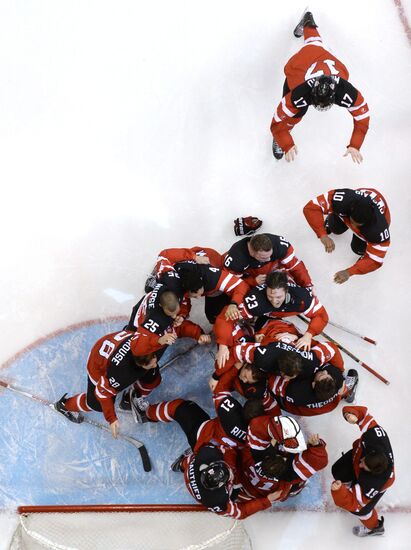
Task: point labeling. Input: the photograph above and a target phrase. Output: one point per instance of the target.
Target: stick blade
(145, 458)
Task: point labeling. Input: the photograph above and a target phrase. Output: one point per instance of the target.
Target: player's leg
(371, 523)
(358, 246)
(306, 21)
(78, 403)
(334, 224)
(139, 391)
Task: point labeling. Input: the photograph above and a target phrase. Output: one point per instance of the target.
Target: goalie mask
(215, 475)
(287, 432)
(323, 93)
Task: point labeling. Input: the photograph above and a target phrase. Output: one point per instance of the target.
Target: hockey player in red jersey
(279, 432)
(158, 320)
(253, 258)
(113, 366)
(366, 213)
(281, 358)
(315, 77)
(210, 465)
(308, 396)
(278, 298)
(363, 474)
(189, 273)
(282, 471)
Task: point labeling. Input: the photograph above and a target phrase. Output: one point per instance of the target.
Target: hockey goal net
(155, 527)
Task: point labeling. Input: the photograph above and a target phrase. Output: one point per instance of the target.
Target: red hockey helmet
(287, 432)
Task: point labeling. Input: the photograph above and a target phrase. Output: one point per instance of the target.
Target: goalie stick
(135, 442)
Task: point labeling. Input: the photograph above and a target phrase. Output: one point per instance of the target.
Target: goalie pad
(246, 226)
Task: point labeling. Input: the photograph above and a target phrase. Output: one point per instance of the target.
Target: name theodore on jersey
(314, 405)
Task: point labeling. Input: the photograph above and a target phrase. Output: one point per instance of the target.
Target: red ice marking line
(56, 333)
(404, 19)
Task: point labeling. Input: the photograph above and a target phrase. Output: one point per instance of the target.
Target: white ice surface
(127, 127)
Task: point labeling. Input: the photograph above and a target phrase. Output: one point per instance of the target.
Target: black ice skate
(307, 20)
(351, 381)
(125, 403)
(60, 407)
(177, 464)
(362, 531)
(277, 151)
(138, 408)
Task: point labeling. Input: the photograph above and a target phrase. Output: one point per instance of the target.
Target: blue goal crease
(46, 460)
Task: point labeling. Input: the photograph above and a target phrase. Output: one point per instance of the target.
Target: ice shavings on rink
(45, 460)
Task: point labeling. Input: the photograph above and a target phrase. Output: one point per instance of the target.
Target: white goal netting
(165, 530)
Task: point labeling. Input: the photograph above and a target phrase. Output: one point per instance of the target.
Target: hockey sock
(77, 403)
(372, 521)
(164, 411)
(311, 35)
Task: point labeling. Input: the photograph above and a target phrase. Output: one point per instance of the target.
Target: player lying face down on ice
(363, 474)
(366, 213)
(210, 464)
(314, 76)
(283, 471)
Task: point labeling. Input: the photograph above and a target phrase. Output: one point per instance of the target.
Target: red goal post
(134, 526)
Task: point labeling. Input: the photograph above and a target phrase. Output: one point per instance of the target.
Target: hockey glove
(246, 226)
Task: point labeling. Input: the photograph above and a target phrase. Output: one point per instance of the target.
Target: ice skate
(307, 20)
(138, 408)
(362, 531)
(59, 406)
(277, 151)
(176, 466)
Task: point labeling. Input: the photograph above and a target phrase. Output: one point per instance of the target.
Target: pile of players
(252, 453)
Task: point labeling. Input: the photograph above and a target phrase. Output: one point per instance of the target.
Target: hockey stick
(173, 359)
(369, 340)
(137, 444)
(351, 355)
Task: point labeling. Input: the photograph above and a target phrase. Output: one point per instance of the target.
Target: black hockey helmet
(323, 93)
(214, 475)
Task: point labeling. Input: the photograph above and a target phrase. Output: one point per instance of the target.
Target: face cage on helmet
(217, 480)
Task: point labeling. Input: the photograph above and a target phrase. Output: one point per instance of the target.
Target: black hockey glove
(246, 226)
